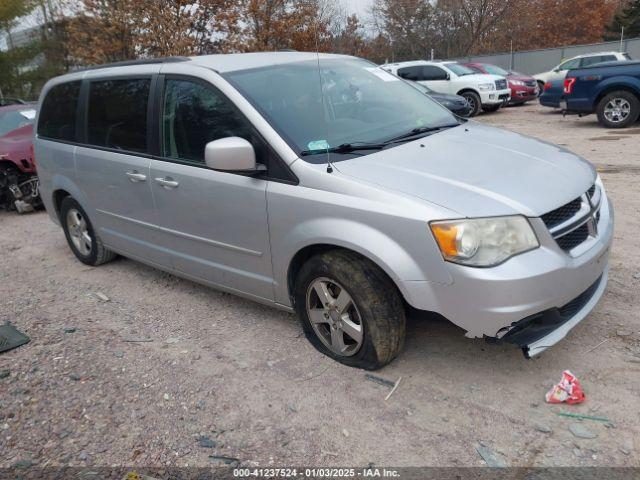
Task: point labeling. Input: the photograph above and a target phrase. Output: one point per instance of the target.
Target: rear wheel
(350, 310)
(81, 237)
(473, 99)
(618, 109)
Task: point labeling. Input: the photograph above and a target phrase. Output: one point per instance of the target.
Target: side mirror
(448, 77)
(232, 154)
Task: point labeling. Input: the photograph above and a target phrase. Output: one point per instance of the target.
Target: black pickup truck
(611, 90)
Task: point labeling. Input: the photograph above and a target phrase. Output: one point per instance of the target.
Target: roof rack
(142, 61)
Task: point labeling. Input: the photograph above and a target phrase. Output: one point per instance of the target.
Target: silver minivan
(324, 185)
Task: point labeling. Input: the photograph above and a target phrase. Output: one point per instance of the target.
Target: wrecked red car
(18, 177)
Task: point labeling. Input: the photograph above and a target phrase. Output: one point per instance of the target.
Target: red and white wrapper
(568, 390)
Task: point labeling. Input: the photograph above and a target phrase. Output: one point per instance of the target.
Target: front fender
(386, 252)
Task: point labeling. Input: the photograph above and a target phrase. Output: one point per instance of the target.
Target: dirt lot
(139, 378)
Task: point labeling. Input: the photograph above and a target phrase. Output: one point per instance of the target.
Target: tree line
(77, 33)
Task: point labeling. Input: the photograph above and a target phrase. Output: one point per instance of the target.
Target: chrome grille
(575, 222)
(501, 84)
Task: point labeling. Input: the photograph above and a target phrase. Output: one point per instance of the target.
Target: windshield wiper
(346, 148)
(418, 131)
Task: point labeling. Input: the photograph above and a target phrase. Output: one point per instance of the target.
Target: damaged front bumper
(538, 332)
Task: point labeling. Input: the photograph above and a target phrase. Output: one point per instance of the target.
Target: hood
(16, 144)
(477, 170)
(522, 78)
(481, 78)
(441, 97)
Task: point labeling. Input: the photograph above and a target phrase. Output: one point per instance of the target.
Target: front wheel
(618, 109)
(491, 108)
(350, 310)
(473, 99)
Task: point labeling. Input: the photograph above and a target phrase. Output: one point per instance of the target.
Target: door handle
(135, 177)
(167, 182)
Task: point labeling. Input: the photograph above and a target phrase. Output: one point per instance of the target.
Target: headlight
(484, 242)
(486, 86)
(519, 83)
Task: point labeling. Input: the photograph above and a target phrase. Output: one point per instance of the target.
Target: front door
(215, 222)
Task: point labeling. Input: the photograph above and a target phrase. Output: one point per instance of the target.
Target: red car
(523, 87)
(18, 178)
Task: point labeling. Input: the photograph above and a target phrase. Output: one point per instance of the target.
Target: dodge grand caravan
(326, 186)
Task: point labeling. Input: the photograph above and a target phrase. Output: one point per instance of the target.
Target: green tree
(628, 18)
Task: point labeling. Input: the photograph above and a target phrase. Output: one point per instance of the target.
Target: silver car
(322, 184)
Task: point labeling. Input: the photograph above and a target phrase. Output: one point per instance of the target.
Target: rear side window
(57, 119)
(117, 116)
(411, 73)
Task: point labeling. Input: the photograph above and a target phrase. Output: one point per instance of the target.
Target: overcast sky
(361, 7)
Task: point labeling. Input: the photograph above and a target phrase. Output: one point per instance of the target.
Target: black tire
(474, 102)
(621, 96)
(491, 108)
(98, 254)
(375, 297)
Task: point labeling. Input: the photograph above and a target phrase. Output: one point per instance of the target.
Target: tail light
(568, 85)
(547, 86)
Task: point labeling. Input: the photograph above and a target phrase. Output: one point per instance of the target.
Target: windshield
(14, 119)
(459, 69)
(358, 103)
(495, 70)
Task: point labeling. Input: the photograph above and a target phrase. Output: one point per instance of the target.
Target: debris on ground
(11, 337)
(541, 427)
(627, 447)
(601, 343)
(580, 431)
(584, 417)
(384, 382)
(101, 296)
(4, 373)
(490, 457)
(568, 390)
(231, 461)
(206, 442)
(345, 432)
(379, 380)
(393, 389)
(69, 330)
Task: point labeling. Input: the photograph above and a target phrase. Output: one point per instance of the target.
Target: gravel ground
(131, 366)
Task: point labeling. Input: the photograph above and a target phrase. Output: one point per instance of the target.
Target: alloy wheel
(78, 231)
(334, 317)
(617, 110)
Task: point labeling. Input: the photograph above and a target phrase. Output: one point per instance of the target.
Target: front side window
(575, 63)
(194, 115)
(13, 119)
(321, 104)
(118, 114)
(433, 73)
(57, 119)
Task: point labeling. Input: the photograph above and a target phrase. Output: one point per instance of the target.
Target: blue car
(552, 93)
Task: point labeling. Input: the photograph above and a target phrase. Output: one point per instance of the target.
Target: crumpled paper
(568, 390)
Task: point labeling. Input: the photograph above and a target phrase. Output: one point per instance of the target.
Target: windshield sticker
(28, 114)
(318, 145)
(382, 74)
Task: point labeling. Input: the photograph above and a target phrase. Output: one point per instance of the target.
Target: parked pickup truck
(611, 90)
